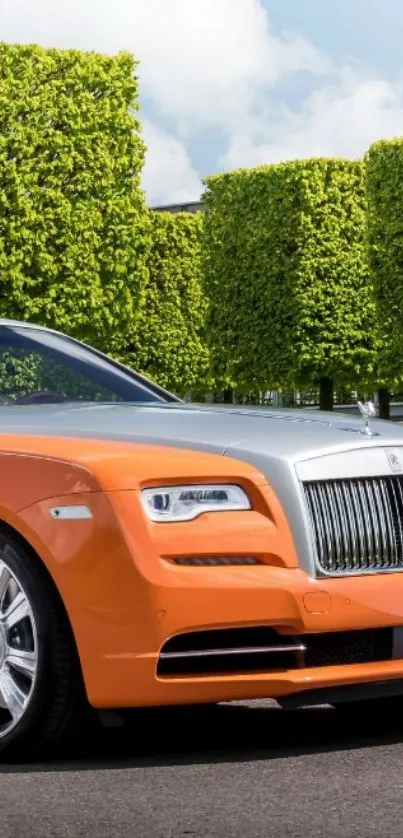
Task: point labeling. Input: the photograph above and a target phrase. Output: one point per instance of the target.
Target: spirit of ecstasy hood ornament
(368, 411)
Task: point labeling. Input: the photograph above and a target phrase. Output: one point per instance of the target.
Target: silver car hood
(288, 447)
(288, 434)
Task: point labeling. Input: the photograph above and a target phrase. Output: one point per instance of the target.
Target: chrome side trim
(247, 650)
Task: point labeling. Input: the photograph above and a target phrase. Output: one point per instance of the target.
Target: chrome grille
(357, 524)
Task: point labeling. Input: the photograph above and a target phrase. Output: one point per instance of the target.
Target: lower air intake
(224, 651)
(263, 649)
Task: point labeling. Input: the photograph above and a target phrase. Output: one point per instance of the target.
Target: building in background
(191, 206)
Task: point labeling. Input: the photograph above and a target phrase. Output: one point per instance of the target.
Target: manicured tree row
(286, 275)
(384, 170)
(291, 301)
(73, 224)
(168, 341)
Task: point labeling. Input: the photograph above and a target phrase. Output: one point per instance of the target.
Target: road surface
(244, 771)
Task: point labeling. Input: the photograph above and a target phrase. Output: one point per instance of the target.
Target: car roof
(4, 321)
(26, 324)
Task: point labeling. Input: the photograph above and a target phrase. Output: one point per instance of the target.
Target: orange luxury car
(156, 552)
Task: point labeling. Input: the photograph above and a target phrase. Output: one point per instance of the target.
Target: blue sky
(230, 83)
(367, 31)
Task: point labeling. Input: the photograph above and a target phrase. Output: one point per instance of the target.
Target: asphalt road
(245, 771)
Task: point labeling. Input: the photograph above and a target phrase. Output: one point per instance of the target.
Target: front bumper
(126, 597)
(260, 597)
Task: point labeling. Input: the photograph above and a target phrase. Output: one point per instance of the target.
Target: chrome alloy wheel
(18, 650)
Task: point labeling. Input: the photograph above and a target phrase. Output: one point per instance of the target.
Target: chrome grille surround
(357, 524)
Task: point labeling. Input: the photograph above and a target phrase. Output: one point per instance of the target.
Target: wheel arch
(8, 529)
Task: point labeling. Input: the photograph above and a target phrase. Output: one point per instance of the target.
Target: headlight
(184, 503)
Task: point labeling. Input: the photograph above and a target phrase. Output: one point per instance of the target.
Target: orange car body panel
(125, 596)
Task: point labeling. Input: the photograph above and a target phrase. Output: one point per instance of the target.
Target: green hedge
(168, 340)
(286, 275)
(384, 170)
(73, 225)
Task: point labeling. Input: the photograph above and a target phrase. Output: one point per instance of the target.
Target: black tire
(57, 701)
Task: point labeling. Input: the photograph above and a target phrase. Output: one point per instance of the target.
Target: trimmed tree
(73, 224)
(168, 342)
(287, 278)
(384, 178)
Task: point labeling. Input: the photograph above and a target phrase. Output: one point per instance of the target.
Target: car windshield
(39, 367)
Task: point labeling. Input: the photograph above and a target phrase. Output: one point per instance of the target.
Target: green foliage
(286, 275)
(384, 178)
(73, 227)
(168, 340)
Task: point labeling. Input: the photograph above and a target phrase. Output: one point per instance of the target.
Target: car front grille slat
(397, 490)
(346, 537)
(357, 524)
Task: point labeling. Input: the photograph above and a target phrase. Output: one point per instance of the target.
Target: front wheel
(40, 679)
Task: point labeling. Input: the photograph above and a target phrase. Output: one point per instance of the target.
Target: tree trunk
(326, 390)
(229, 396)
(384, 403)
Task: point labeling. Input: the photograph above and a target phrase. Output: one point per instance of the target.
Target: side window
(38, 366)
(24, 373)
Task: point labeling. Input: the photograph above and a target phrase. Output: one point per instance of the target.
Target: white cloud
(169, 176)
(341, 119)
(207, 61)
(204, 63)
(213, 66)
